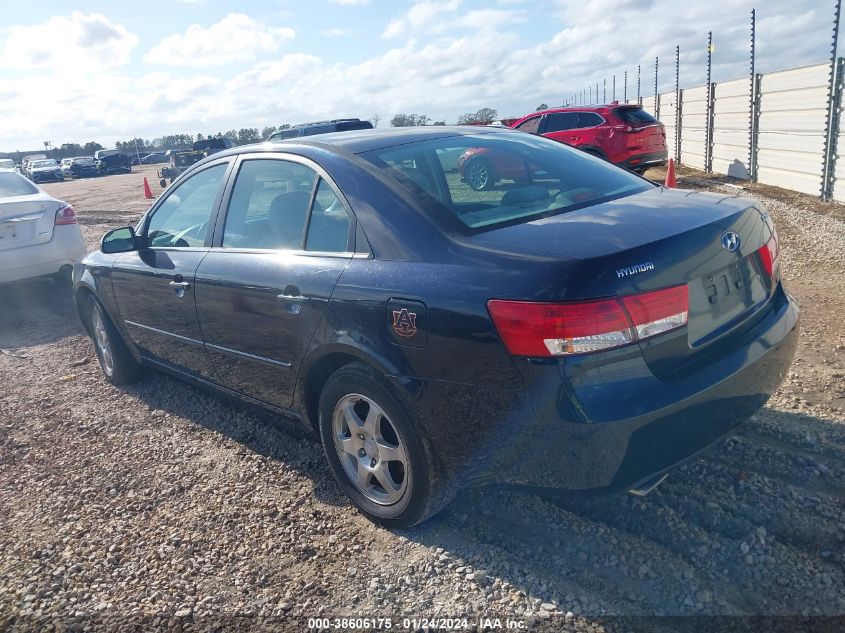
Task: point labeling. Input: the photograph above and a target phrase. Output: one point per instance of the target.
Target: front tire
(376, 452)
(479, 174)
(117, 363)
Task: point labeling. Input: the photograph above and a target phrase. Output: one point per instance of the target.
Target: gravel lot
(164, 505)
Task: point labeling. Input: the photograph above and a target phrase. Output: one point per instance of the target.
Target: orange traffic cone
(671, 182)
(148, 193)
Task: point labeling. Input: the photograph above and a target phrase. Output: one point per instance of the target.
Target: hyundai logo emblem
(730, 241)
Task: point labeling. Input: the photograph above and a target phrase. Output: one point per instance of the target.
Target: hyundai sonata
(578, 328)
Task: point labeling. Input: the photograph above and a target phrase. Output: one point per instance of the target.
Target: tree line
(243, 136)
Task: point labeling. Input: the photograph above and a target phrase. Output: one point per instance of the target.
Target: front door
(262, 290)
(154, 286)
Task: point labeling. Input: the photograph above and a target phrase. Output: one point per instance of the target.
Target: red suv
(623, 134)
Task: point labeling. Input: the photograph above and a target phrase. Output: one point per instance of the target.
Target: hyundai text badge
(633, 270)
(730, 241)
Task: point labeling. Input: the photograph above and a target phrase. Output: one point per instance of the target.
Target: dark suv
(320, 127)
(623, 134)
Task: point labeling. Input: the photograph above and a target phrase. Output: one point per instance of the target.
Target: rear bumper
(605, 423)
(63, 249)
(644, 161)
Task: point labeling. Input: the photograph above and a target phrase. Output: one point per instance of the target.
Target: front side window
(269, 205)
(502, 178)
(182, 218)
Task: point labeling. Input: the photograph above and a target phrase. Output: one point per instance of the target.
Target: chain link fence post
(835, 121)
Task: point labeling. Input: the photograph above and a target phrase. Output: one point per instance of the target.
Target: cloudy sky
(102, 70)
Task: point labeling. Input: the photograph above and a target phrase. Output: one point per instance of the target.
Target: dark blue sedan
(574, 327)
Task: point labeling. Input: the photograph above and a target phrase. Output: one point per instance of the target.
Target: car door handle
(574, 138)
(180, 284)
(290, 298)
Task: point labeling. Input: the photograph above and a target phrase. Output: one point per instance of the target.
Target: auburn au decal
(404, 322)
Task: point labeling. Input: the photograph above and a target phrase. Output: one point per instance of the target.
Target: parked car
(210, 146)
(112, 161)
(320, 127)
(623, 134)
(28, 160)
(44, 171)
(39, 235)
(587, 330)
(7, 164)
(79, 167)
(155, 157)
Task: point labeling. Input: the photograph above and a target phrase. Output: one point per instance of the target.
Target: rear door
(561, 126)
(154, 286)
(262, 290)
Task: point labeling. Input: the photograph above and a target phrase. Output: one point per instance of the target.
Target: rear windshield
(12, 184)
(354, 125)
(486, 180)
(634, 116)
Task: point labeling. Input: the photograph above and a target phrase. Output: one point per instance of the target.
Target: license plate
(721, 297)
(8, 231)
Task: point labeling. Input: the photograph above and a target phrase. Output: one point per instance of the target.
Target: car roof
(359, 141)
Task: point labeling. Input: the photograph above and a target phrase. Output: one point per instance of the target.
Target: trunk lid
(27, 220)
(659, 239)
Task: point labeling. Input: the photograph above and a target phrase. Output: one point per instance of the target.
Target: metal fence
(781, 128)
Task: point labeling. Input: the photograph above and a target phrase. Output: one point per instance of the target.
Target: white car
(39, 235)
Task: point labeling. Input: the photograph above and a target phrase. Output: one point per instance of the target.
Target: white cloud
(421, 15)
(438, 70)
(76, 44)
(237, 37)
(336, 32)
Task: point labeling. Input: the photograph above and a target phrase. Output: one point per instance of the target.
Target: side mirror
(121, 240)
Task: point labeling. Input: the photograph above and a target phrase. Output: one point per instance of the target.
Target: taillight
(770, 256)
(65, 215)
(559, 329)
(656, 312)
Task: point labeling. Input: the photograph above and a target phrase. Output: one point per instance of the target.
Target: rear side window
(589, 119)
(560, 121)
(328, 227)
(502, 178)
(269, 205)
(12, 184)
(634, 116)
(531, 126)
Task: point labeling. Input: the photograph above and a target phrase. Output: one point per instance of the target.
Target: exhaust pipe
(645, 486)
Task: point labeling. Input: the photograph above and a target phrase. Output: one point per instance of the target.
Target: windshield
(491, 179)
(44, 163)
(12, 184)
(83, 161)
(7, 163)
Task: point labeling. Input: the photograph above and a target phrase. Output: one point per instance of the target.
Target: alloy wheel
(101, 340)
(370, 449)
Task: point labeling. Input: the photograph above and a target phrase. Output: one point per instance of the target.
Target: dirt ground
(163, 505)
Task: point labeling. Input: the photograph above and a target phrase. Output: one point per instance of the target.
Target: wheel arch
(321, 365)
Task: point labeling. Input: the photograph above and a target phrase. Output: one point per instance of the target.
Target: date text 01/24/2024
(414, 624)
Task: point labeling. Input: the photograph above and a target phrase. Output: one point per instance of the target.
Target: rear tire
(118, 365)
(376, 452)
